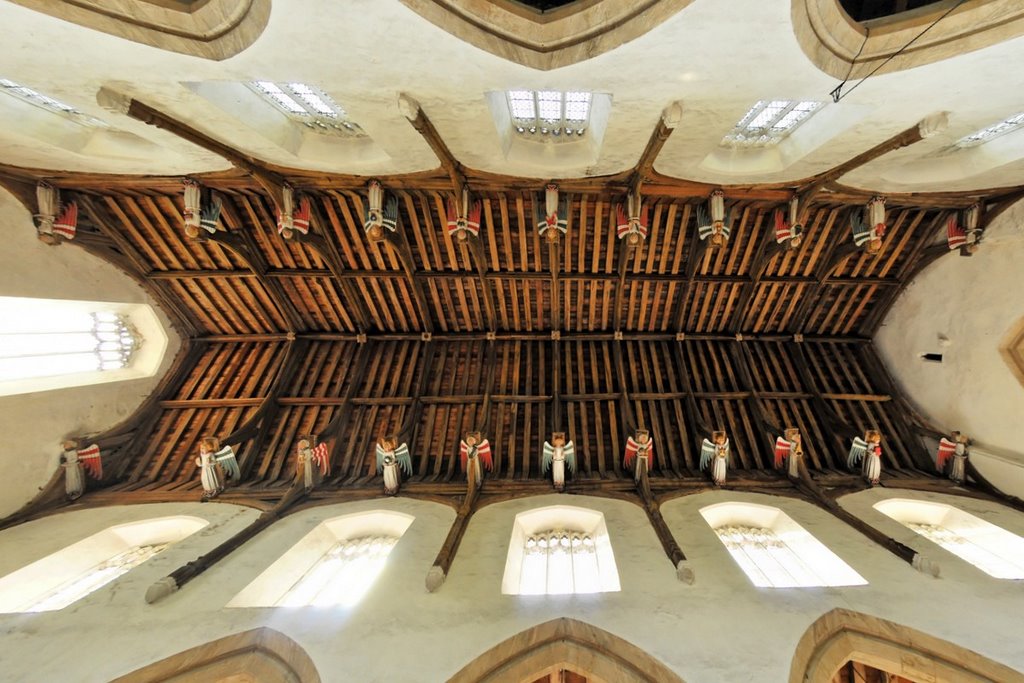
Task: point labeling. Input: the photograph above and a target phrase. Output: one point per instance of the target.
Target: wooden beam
(449, 164)
(668, 541)
(339, 422)
(443, 562)
(398, 241)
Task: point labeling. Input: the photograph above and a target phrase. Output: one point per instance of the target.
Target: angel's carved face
(375, 232)
(209, 444)
(633, 239)
(304, 444)
(717, 239)
(558, 439)
(471, 439)
(720, 438)
(643, 437)
(192, 232)
(795, 242)
(388, 443)
(793, 435)
(69, 445)
(551, 235)
(461, 234)
(875, 246)
(872, 435)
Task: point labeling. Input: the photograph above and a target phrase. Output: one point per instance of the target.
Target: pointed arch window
(774, 551)
(990, 548)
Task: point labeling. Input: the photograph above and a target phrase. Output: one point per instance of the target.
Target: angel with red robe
(216, 465)
(380, 215)
(292, 219)
(788, 451)
(631, 220)
(393, 459)
(951, 458)
(552, 214)
(76, 464)
(559, 455)
(54, 222)
(963, 231)
(869, 231)
(788, 231)
(311, 458)
(464, 217)
(475, 455)
(867, 452)
(639, 453)
(714, 454)
(717, 225)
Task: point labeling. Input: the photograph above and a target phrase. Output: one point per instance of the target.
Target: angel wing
(300, 218)
(569, 451)
(956, 236)
(782, 448)
(704, 227)
(225, 457)
(463, 453)
(782, 230)
(404, 459)
(547, 458)
(631, 449)
(210, 215)
(621, 221)
(453, 217)
(473, 218)
(725, 447)
(66, 224)
(727, 224)
(322, 458)
(391, 213)
(483, 451)
(861, 232)
(947, 449)
(707, 452)
(643, 223)
(857, 451)
(91, 461)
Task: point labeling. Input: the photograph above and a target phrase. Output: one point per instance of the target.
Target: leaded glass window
(550, 113)
(308, 105)
(343, 575)
(768, 122)
(557, 562)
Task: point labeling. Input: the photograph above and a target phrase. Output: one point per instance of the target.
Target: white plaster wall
(34, 424)
(974, 302)
(717, 57)
(400, 633)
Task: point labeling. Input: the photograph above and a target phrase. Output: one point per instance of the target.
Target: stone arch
(832, 40)
(213, 29)
(567, 643)
(261, 655)
(547, 40)
(842, 635)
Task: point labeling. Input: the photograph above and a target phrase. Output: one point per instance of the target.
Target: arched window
(558, 550)
(332, 566)
(774, 551)
(68, 575)
(51, 344)
(993, 550)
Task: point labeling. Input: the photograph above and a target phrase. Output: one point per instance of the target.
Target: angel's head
(633, 238)
(642, 436)
(304, 444)
(209, 444)
(873, 435)
(874, 245)
(719, 438)
(558, 439)
(192, 232)
(375, 232)
(551, 234)
(792, 434)
(388, 442)
(472, 438)
(69, 445)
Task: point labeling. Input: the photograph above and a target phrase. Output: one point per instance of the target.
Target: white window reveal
(48, 103)
(980, 137)
(993, 550)
(551, 113)
(768, 122)
(343, 575)
(334, 565)
(560, 550)
(70, 574)
(774, 551)
(309, 106)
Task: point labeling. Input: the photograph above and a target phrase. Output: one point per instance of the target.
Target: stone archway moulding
(547, 40)
(831, 39)
(214, 29)
(843, 635)
(569, 644)
(261, 655)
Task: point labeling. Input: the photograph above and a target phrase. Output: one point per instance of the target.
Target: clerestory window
(48, 103)
(550, 113)
(768, 122)
(308, 105)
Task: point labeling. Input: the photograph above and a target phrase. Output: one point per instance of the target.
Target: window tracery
(343, 575)
(768, 122)
(556, 562)
(550, 112)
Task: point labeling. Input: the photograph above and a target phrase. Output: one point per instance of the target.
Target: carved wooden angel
(380, 215)
(310, 458)
(788, 231)
(640, 453)
(559, 455)
(788, 451)
(869, 231)
(631, 220)
(199, 215)
(393, 459)
(867, 452)
(290, 218)
(714, 454)
(717, 225)
(475, 455)
(54, 222)
(78, 462)
(551, 213)
(951, 457)
(963, 231)
(216, 465)
(464, 216)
